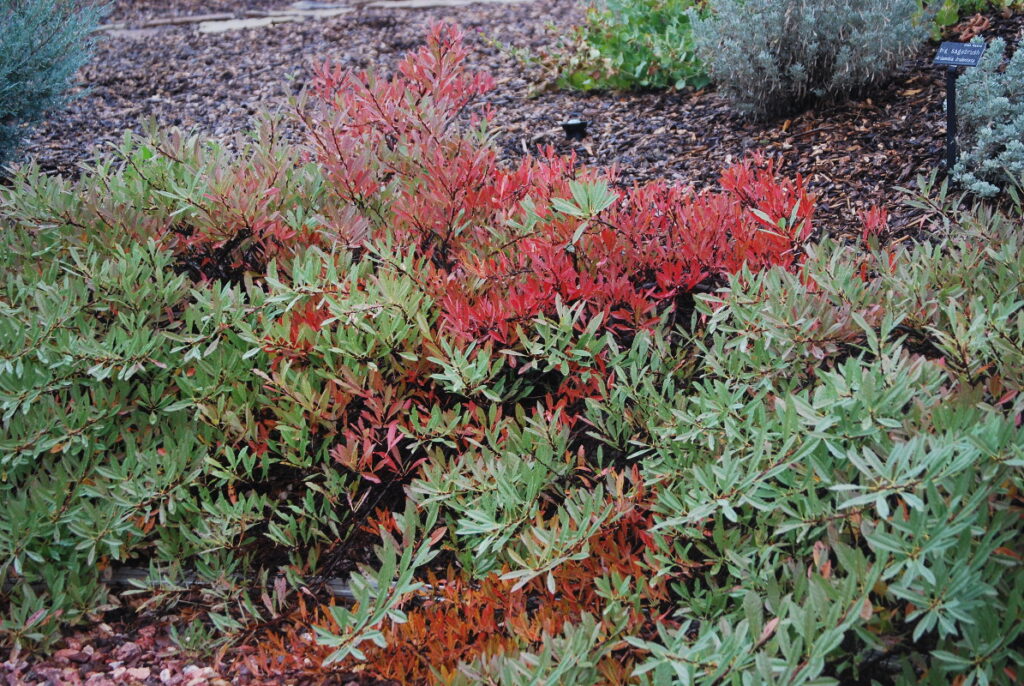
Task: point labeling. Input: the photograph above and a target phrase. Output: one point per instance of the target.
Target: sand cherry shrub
(303, 326)
(224, 209)
(456, 257)
(830, 467)
(505, 244)
(591, 434)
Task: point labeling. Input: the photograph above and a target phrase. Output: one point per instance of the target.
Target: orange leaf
(768, 630)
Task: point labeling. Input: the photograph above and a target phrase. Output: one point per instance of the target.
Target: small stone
(237, 24)
(127, 651)
(63, 656)
(139, 673)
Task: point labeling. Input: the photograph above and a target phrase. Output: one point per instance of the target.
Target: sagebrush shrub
(991, 115)
(771, 57)
(42, 45)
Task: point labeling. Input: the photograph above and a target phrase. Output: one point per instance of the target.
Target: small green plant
(772, 57)
(628, 44)
(947, 13)
(992, 122)
(43, 44)
(194, 638)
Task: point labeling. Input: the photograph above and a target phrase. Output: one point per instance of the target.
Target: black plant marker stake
(575, 128)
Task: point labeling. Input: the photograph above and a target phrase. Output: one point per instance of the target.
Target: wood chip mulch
(141, 653)
(853, 154)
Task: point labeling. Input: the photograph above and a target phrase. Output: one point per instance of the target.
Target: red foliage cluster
(657, 242)
(240, 222)
(463, 621)
(393, 150)
(409, 167)
(455, 621)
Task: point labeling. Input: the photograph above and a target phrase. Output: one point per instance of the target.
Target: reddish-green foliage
(656, 243)
(497, 247)
(236, 216)
(500, 247)
(582, 472)
(501, 254)
(459, 621)
(459, 256)
(454, 621)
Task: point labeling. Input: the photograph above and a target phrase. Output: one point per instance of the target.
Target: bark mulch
(142, 653)
(853, 154)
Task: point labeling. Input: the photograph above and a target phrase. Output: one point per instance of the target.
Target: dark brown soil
(136, 12)
(216, 82)
(143, 653)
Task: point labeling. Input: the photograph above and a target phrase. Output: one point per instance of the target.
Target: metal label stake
(951, 151)
(953, 55)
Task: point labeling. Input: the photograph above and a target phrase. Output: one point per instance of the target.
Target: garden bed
(475, 290)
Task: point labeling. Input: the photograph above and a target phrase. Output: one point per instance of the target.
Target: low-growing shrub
(820, 485)
(247, 352)
(991, 116)
(635, 436)
(628, 44)
(43, 44)
(772, 57)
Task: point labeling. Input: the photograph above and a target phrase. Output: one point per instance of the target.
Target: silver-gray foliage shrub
(991, 109)
(42, 44)
(771, 57)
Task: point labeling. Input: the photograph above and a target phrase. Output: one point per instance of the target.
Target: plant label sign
(960, 54)
(951, 56)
